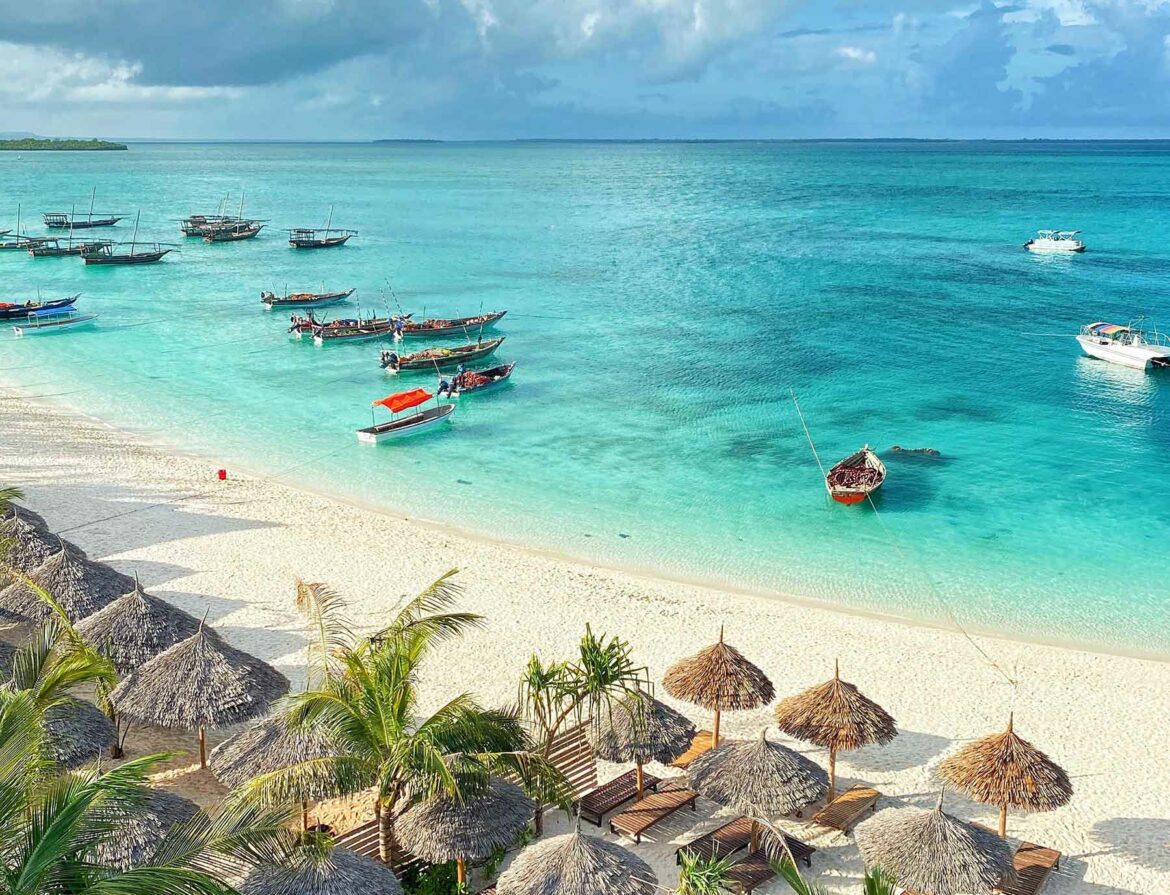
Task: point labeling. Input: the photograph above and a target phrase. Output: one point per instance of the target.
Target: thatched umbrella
(198, 683)
(337, 872)
(576, 864)
(138, 834)
(445, 828)
(135, 628)
(758, 778)
(268, 746)
(932, 852)
(76, 732)
(835, 716)
(81, 586)
(28, 545)
(718, 678)
(1007, 771)
(641, 729)
(7, 659)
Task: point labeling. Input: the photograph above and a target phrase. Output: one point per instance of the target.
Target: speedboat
(52, 321)
(856, 477)
(1052, 242)
(1130, 346)
(398, 426)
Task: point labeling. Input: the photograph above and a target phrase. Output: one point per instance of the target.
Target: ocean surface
(664, 303)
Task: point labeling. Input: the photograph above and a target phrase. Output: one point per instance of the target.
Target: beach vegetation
(703, 875)
(41, 144)
(878, 882)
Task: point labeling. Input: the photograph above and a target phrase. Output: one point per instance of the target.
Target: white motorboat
(52, 321)
(1052, 242)
(398, 426)
(1130, 346)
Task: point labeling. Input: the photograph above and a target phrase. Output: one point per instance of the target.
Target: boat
(1130, 346)
(59, 220)
(199, 224)
(52, 321)
(1053, 242)
(310, 238)
(353, 329)
(437, 358)
(16, 311)
(52, 248)
(398, 426)
(856, 477)
(14, 240)
(233, 232)
(472, 382)
(434, 327)
(107, 253)
(304, 299)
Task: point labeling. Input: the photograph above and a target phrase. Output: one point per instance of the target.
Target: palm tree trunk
(460, 871)
(202, 747)
(641, 781)
(387, 844)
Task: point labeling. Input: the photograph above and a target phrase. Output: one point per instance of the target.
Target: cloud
(857, 54)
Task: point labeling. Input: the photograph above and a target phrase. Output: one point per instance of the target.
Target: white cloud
(857, 54)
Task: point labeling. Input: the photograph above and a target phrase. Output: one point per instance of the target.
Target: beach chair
(847, 809)
(756, 869)
(734, 835)
(594, 805)
(700, 744)
(652, 809)
(1032, 865)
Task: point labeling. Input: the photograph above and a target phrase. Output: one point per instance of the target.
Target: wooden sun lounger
(847, 809)
(700, 744)
(737, 834)
(646, 812)
(593, 806)
(1032, 865)
(756, 869)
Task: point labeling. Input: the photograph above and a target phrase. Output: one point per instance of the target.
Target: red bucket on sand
(222, 475)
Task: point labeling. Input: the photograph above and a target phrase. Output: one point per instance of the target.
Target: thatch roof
(81, 586)
(77, 732)
(267, 746)
(340, 872)
(138, 835)
(834, 715)
(135, 628)
(719, 677)
(7, 659)
(640, 728)
(34, 519)
(199, 682)
(1008, 771)
(933, 853)
(27, 544)
(577, 864)
(758, 777)
(445, 828)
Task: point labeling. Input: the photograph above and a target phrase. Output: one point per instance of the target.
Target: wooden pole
(304, 817)
(641, 780)
(1003, 821)
(460, 871)
(832, 772)
(715, 734)
(755, 837)
(202, 747)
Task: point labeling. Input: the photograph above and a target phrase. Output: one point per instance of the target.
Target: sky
(598, 69)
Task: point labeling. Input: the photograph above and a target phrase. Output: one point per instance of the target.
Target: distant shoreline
(50, 145)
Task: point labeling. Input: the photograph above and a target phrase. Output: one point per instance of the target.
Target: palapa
(198, 683)
(337, 872)
(25, 545)
(640, 728)
(933, 853)
(76, 732)
(446, 828)
(576, 864)
(79, 585)
(835, 716)
(717, 678)
(135, 628)
(1007, 771)
(138, 834)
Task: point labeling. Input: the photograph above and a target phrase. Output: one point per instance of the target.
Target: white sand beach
(233, 549)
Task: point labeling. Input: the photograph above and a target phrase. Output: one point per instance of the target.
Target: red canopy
(404, 400)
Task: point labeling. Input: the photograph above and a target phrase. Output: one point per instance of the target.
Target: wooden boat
(52, 248)
(54, 321)
(438, 358)
(13, 241)
(310, 238)
(433, 327)
(233, 232)
(304, 299)
(14, 311)
(59, 220)
(107, 253)
(473, 382)
(343, 330)
(399, 426)
(199, 224)
(856, 477)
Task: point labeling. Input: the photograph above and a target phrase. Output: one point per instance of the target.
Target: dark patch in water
(957, 407)
(622, 534)
(463, 481)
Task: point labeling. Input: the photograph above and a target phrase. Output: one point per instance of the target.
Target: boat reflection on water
(1114, 391)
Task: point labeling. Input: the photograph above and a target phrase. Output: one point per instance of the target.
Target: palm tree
(9, 493)
(367, 701)
(53, 661)
(699, 875)
(878, 882)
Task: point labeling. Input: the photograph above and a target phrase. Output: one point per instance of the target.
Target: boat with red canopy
(856, 477)
(398, 426)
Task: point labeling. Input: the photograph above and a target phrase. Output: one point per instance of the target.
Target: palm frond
(325, 612)
(699, 875)
(426, 617)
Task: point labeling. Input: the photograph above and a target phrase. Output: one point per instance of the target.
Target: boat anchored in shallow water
(434, 326)
(304, 299)
(474, 382)
(437, 358)
(1055, 242)
(856, 477)
(21, 310)
(398, 426)
(1130, 346)
(52, 321)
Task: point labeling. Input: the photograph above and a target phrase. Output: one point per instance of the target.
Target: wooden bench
(646, 812)
(737, 834)
(1032, 864)
(847, 809)
(593, 806)
(756, 869)
(700, 744)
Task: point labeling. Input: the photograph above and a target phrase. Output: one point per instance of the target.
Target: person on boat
(390, 360)
(399, 326)
(445, 388)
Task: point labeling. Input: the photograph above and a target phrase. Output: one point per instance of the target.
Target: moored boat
(438, 358)
(343, 330)
(856, 477)
(398, 426)
(323, 238)
(60, 220)
(108, 253)
(434, 326)
(14, 240)
(17, 311)
(1055, 242)
(52, 248)
(470, 382)
(52, 321)
(233, 232)
(1130, 346)
(304, 299)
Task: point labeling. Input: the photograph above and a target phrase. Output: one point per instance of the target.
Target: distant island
(38, 144)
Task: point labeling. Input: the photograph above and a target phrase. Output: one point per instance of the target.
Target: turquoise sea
(663, 301)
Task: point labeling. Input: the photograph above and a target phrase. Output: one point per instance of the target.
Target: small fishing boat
(233, 232)
(1055, 242)
(856, 477)
(304, 299)
(108, 253)
(15, 240)
(59, 220)
(344, 330)
(473, 382)
(52, 248)
(1130, 346)
(438, 358)
(17, 311)
(398, 426)
(433, 327)
(328, 237)
(53, 321)
(200, 224)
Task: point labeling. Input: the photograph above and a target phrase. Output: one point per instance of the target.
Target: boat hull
(457, 329)
(48, 325)
(22, 312)
(1054, 249)
(856, 478)
(144, 258)
(330, 243)
(421, 422)
(320, 301)
(445, 362)
(501, 375)
(1133, 356)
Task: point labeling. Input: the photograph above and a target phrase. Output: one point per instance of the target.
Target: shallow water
(663, 301)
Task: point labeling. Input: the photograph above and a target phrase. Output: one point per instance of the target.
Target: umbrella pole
(202, 747)
(460, 871)
(755, 837)
(715, 735)
(641, 780)
(1003, 821)
(304, 817)
(832, 772)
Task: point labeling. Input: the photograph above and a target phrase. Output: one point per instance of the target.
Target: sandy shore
(233, 549)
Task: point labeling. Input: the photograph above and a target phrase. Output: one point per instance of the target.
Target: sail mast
(134, 238)
(329, 222)
(72, 215)
(92, 196)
